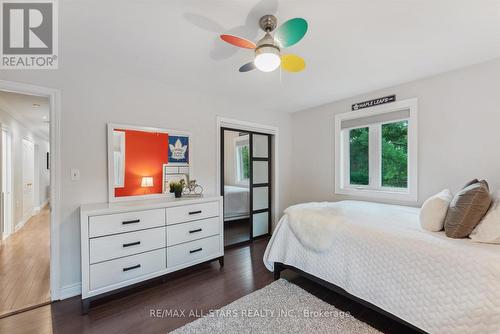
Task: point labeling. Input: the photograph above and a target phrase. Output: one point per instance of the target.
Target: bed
(381, 256)
(236, 203)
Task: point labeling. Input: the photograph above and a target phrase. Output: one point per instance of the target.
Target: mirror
(143, 161)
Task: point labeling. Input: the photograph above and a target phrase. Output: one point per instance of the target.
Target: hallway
(25, 266)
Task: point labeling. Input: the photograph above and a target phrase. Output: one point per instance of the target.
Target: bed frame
(279, 267)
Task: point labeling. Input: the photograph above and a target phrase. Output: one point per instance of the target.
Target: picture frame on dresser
(116, 153)
(129, 243)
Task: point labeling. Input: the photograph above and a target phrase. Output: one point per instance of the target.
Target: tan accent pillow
(467, 209)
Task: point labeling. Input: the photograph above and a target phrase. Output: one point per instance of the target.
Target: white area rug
(280, 307)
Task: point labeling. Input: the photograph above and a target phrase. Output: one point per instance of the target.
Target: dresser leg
(221, 261)
(85, 306)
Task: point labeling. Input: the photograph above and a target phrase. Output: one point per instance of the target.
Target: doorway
(28, 183)
(25, 261)
(6, 225)
(246, 185)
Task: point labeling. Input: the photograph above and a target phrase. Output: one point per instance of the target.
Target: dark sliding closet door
(260, 184)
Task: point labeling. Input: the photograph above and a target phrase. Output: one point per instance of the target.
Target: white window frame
(119, 154)
(238, 143)
(374, 189)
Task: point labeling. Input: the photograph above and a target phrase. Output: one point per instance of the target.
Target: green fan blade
(290, 32)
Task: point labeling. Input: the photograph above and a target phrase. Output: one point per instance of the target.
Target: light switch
(75, 174)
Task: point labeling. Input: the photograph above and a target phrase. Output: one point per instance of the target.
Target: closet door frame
(268, 184)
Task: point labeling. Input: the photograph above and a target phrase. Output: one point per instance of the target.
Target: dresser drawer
(120, 270)
(125, 222)
(125, 244)
(180, 233)
(192, 251)
(191, 212)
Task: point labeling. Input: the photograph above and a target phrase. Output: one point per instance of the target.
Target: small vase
(178, 194)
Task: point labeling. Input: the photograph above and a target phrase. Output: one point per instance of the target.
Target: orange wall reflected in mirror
(145, 154)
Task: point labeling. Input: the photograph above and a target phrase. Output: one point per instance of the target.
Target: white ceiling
(352, 47)
(20, 107)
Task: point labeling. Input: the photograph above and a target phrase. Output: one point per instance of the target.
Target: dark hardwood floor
(236, 231)
(201, 289)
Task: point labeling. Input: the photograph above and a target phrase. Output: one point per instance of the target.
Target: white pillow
(488, 230)
(434, 211)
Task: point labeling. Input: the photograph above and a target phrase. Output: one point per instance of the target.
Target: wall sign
(374, 102)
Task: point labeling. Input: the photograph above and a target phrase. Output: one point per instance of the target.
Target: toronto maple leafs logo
(178, 149)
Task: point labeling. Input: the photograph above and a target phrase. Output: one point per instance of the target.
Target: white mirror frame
(111, 171)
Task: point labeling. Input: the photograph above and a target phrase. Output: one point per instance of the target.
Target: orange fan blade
(238, 41)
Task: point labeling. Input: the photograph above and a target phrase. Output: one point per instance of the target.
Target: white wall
(229, 158)
(459, 134)
(93, 96)
(18, 131)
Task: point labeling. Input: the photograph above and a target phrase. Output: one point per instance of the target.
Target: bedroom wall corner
(458, 119)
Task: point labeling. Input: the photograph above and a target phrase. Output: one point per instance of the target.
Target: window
(119, 158)
(376, 151)
(242, 159)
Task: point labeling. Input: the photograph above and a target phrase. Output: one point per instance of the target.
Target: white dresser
(127, 243)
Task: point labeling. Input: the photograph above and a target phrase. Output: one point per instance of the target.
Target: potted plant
(177, 188)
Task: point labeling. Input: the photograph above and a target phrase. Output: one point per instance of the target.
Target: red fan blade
(238, 41)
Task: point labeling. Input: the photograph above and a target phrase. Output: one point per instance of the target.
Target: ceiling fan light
(267, 58)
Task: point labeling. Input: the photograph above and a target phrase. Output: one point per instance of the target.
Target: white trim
(409, 194)
(71, 290)
(111, 170)
(41, 206)
(54, 96)
(21, 224)
(223, 122)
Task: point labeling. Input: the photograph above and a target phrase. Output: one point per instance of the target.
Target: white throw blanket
(314, 224)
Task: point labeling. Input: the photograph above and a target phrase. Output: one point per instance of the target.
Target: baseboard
(39, 208)
(5, 235)
(20, 225)
(70, 290)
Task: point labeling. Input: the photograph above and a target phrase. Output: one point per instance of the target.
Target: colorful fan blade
(292, 63)
(247, 67)
(290, 32)
(238, 41)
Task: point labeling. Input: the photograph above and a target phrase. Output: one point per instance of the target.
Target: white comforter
(236, 201)
(381, 255)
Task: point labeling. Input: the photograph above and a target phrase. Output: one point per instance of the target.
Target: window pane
(358, 156)
(395, 155)
(245, 157)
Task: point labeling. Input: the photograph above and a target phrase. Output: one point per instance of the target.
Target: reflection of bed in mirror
(236, 203)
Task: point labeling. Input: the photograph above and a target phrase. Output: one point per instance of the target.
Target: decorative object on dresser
(131, 242)
(192, 189)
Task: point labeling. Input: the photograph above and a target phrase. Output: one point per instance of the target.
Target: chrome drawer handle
(131, 268)
(195, 250)
(132, 244)
(131, 221)
(197, 230)
(195, 212)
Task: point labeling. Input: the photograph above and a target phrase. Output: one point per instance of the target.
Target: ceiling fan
(268, 55)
